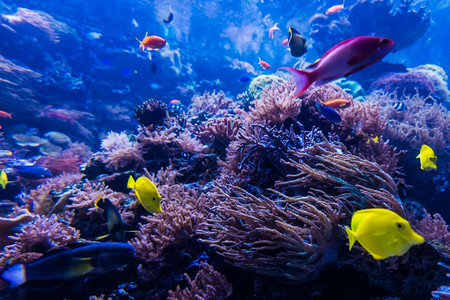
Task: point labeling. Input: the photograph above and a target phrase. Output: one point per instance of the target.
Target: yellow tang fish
(3, 179)
(147, 193)
(382, 232)
(427, 158)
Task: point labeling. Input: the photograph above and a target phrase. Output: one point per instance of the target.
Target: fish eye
(154, 199)
(400, 226)
(384, 41)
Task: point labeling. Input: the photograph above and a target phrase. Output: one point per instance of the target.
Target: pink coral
(118, 152)
(208, 284)
(176, 224)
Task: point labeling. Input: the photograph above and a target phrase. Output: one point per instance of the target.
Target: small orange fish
(285, 42)
(263, 64)
(4, 114)
(272, 29)
(337, 103)
(334, 9)
(174, 101)
(151, 42)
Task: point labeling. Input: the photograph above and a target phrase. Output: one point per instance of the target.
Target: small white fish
(135, 24)
(94, 35)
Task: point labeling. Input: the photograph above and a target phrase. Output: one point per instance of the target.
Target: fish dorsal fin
(54, 251)
(131, 183)
(314, 64)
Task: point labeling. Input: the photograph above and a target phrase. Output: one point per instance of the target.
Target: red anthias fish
(344, 59)
(151, 42)
(337, 103)
(263, 64)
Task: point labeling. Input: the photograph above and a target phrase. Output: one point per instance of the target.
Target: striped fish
(400, 106)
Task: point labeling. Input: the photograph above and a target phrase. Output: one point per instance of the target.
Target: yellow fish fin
(418, 156)
(79, 266)
(96, 201)
(131, 183)
(101, 237)
(376, 256)
(351, 237)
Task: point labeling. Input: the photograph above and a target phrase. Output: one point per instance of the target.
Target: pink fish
(272, 29)
(344, 59)
(334, 9)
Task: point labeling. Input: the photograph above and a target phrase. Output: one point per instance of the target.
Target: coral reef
(285, 234)
(426, 81)
(274, 105)
(119, 153)
(424, 121)
(260, 82)
(208, 284)
(151, 112)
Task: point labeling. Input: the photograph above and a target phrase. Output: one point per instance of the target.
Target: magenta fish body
(344, 59)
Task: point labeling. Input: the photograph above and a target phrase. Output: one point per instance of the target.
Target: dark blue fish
(297, 43)
(400, 106)
(33, 172)
(71, 263)
(329, 113)
(244, 79)
(116, 225)
(169, 19)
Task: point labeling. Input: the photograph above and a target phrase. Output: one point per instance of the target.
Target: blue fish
(244, 79)
(33, 172)
(71, 263)
(155, 86)
(329, 113)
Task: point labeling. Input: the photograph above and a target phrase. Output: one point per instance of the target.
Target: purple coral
(208, 284)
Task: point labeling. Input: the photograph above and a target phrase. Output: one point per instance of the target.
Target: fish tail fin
(96, 201)
(351, 237)
(303, 79)
(15, 275)
(131, 183)
(141, 46)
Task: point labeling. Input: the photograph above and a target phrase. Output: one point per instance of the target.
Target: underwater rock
(28, 140)
(50, 149)
(58, 138)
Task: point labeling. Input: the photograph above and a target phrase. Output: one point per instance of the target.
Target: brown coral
(211, 103)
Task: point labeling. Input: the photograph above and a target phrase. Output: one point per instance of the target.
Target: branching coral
(208, 284)
(83, 198)
(174, 226)
(423, 122)
(38, 236)
(275, 104)
(293, 234)
(40, 200)
(434, 230)
(223, 129)
(64, 163)
(213, 104)
(118, 152)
